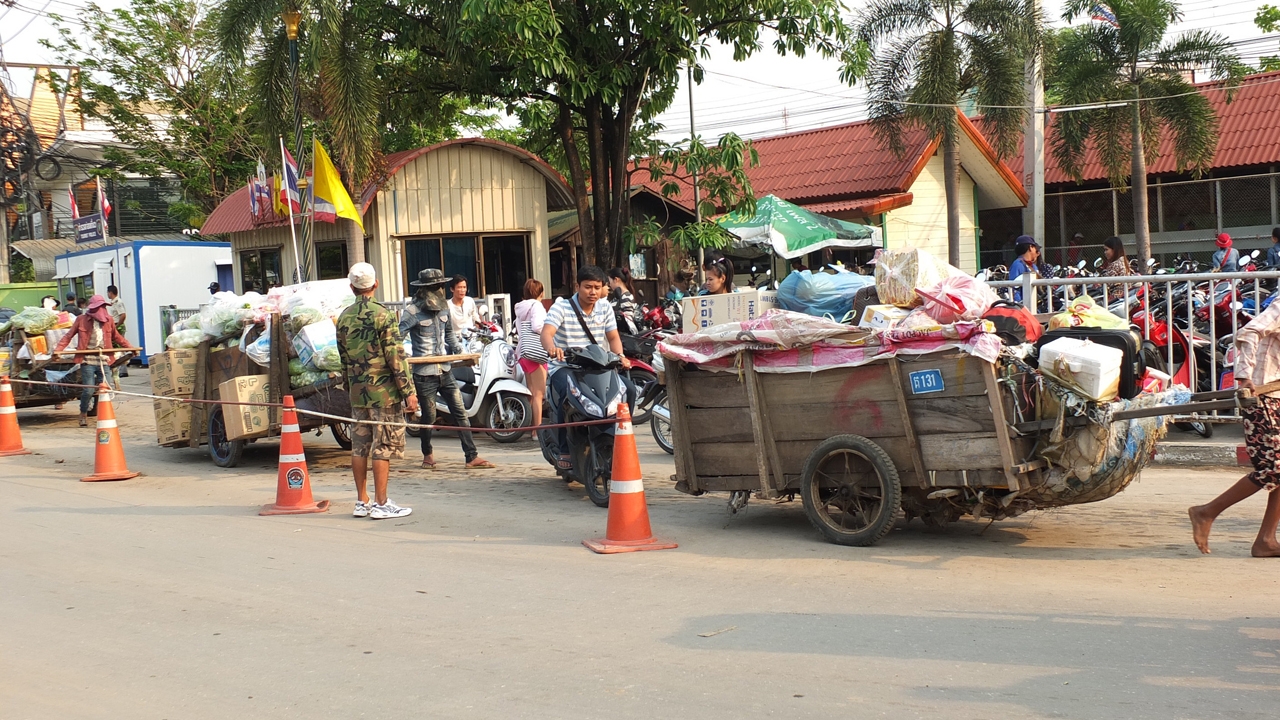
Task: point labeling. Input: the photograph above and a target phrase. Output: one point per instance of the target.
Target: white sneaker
(388, 510)
(362, 509)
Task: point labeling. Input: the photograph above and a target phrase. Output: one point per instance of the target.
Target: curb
(1200, 455)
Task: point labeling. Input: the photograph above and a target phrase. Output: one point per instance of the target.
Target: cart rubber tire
(1203, 429)
(341, 434)
(224, 453)
(886, 485)
(492, 413)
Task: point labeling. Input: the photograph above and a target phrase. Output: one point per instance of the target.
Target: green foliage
(588, 79)
(150, 71)
(21, 269)
(1267, 19)
(1098, 63)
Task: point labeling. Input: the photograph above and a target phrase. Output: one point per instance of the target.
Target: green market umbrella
(793, 231)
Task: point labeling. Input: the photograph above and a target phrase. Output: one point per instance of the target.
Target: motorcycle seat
(464, 375)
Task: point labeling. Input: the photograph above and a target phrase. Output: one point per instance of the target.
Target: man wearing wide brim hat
(425, 322)
(1225, 258)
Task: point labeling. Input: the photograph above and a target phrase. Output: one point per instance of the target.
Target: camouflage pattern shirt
(373, 360)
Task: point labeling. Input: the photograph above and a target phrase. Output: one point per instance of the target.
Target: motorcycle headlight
(587, 403)
(613, 404)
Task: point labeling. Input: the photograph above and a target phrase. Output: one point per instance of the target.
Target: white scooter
(493, 392)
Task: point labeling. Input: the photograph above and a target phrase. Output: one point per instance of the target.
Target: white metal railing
(1189, 292)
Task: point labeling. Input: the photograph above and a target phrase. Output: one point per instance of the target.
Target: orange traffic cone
(293, 485)
(108, 459)
(10, 435)
(628, 529)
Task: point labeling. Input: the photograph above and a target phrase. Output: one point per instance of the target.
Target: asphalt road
(168, 597)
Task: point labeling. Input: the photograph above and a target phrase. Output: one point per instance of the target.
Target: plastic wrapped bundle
(821, 294)
(900, 272)
(35, 320)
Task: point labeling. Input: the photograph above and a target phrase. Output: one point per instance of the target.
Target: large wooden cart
(930, 434)
(59, 369)
(216, 365)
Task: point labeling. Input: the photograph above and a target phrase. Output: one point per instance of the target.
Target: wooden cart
(216, 365)
(29, 395)
(927, 434)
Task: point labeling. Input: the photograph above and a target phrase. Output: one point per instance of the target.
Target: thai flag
(254, 209)
(103, 203)
(71, 199)
(262, 190)
(289, 195)
(1102, 13)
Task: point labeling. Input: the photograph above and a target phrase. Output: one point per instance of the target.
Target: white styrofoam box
(704, 311)
(882, 317)
(1091, 368)
(312, 338)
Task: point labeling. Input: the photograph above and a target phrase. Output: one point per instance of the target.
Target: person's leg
(559, 388)
(381, 469)
(1266, 545)
(537, 384)
(1202, 516)
(453, 400)
(427, 386)
(88, 378)
(361, 446)
(360, 468)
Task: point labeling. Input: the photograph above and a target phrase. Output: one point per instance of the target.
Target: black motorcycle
(595, 389)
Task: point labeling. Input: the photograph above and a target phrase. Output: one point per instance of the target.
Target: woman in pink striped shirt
(1257, 364)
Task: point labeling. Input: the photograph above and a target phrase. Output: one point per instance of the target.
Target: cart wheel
(1203, 429)
(341, 434)
(225, 453)
(510, 413)
(851, 490)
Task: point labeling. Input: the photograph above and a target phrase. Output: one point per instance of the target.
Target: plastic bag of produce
(317, 345)
(306, 378)
(821, 293)
(1084, 312)
(900, 272)
(35, 320)
(957, 298)
(188, 338)
(302, 316)
(259, 350)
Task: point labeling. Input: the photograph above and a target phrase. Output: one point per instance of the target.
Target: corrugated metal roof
(233, 213)
(42, 253)
(1248, 134)
(833, 165)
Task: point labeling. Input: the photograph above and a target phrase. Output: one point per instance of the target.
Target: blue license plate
(926, 381)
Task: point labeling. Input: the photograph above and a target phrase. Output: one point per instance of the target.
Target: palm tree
(1140, 79)
(338, 74)
(922, 57)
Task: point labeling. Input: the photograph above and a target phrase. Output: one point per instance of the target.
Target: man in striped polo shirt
(564, 329)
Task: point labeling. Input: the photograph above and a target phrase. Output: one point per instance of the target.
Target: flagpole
(293, 234)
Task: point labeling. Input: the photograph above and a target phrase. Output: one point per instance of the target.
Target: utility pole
(1033, 148)
(697, 203)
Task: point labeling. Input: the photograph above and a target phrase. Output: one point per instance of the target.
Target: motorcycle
(493, 393)
(595, 389)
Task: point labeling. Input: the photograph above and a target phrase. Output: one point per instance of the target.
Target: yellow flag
(276, 206)
(331, 200)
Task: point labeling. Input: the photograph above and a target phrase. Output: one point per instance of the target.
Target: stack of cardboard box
(173, 374)
(245, 421)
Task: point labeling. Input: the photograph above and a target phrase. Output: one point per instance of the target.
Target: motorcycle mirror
(1151, 262)
(1080, 265)
(1255, 254)
(1097, 263)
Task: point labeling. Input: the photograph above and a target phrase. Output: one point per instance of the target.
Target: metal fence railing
(1188, 320)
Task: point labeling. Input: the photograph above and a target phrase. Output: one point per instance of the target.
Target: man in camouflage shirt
(377, 378)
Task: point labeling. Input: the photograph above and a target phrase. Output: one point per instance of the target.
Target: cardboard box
(707, 310)
(173, 373)
(245, 421)
(882, 317)
(173, 421)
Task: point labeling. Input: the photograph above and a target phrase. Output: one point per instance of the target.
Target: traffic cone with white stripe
(293, 485)
(108, 457)
(628, 529)
(10, 435)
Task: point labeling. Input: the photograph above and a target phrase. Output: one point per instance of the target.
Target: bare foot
(1200, 526)
(1265, 548)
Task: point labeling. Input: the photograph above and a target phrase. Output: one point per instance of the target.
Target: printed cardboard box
(882, 317)
(707, 310)
(173, 373)
(245, 421)
(173, 421)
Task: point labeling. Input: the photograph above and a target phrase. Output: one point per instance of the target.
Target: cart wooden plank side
(856, 443)
(215, 365)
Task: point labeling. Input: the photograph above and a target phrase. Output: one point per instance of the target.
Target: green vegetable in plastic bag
(296, 367)
(327, 358)
(302, 316)
(306, 378)
(35, 320)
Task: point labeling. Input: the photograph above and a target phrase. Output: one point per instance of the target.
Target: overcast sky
(765, 95)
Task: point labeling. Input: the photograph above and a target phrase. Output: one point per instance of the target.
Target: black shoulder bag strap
(573, 301)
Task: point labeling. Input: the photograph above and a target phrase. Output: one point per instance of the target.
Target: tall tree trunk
(599, 181)
(951, 186)
(577, 181)
(1138, 174)
(355, 242)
